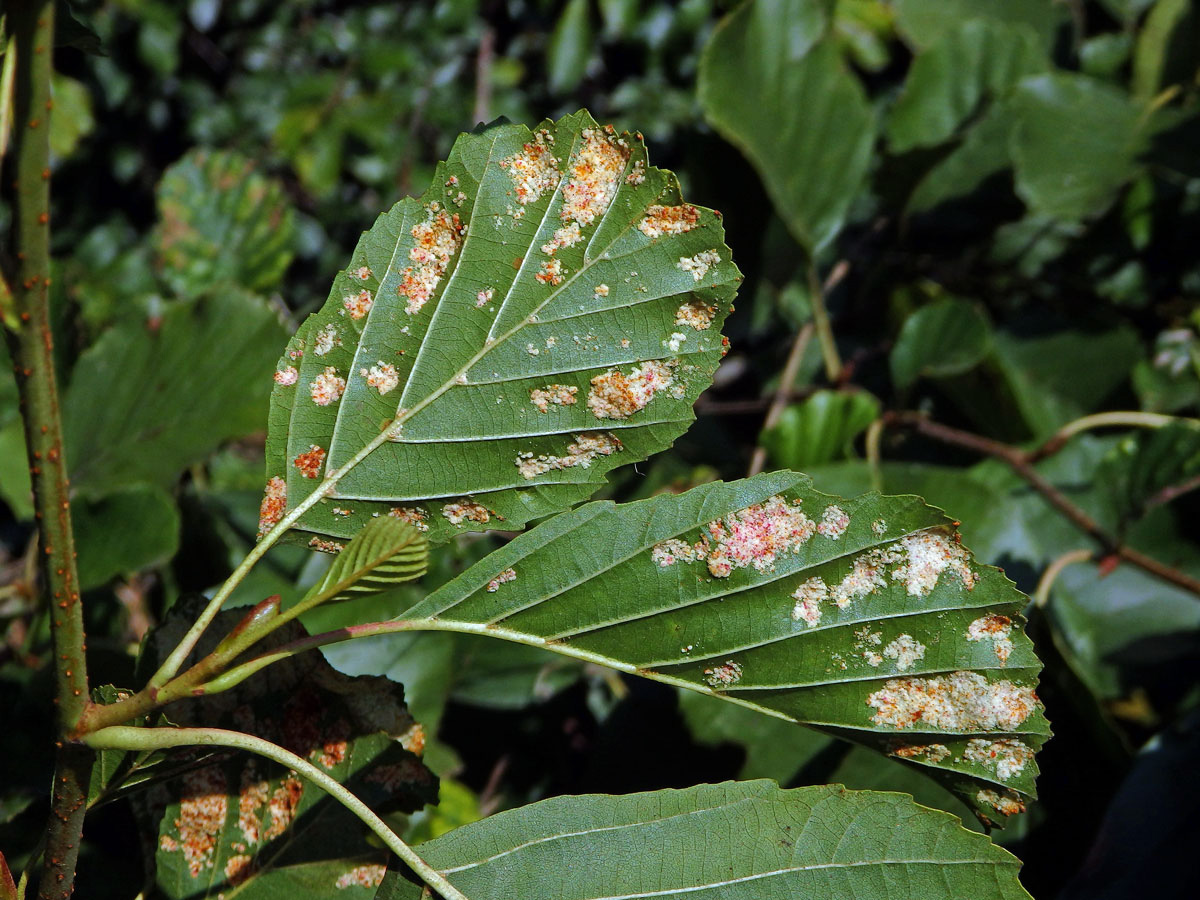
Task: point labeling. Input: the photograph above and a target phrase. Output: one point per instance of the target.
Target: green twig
(1042, 595)
(1119, 419)
(121, 737)
(31, 344)
(829, 350)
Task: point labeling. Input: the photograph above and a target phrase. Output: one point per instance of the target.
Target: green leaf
(387, 552)
(820, 429)
(947, 82)
(1076, 142)
(248, 826)
(947, 337)
(846, 615)
(130, 529)
(809, 129)
(923, 22)
(1148, 463)
(774, 748)
(733, 840)
(983, 153)
(549, 309)
(148, 399)
(221, 223)
(570, 48)
(1150, 54)
(72, 119)
(1042, 371)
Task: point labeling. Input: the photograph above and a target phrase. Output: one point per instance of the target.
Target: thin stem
(1020, 462)
(1042, 595)
(817, 291)
(176, 659)
(1119, 419)
(31, 343)
(120, 737)
(782, 393)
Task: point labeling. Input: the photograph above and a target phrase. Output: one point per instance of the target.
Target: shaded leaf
(947, 83)
(1076, 142)
(549, 310)
(1043, 372)
(923, 22)
(73, 115)
(245, 823)
(144, 402)
(130, 529)
(731, 840)
(1148, 463)
(774, 748)
(809, 131)
(820, 429)
(983, 153)
(221, 223)
(946, 337)
(863, 618)
(570, 47)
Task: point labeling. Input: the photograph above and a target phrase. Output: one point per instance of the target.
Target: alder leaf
(735, 841)
(548, 310)
(221, 222)
(387, 552)
(863, 618)
(244, 826)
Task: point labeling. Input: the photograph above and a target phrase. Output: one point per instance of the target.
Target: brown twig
(1020, 462)
(1174, 492)
(784, 392)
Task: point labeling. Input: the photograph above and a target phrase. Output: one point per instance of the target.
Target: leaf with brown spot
(245, 822)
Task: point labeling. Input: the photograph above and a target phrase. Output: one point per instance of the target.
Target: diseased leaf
(221, 223)
(947, 337)
(548, 310)
(247, 826)
(733, 840)
(809, 131)
(144, 402)
(862, 618)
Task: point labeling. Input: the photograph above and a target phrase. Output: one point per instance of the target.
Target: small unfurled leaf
(222, 223)
(748, 839)
(387, 552)
(947, 337)
(549, 310)
(863, 618)
(243, 825)
(820, 429)
(809, 131)
(148, 399)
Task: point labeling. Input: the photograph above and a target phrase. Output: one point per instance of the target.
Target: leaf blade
(541, 270)
(867, 620)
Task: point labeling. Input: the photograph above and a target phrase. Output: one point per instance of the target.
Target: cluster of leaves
(1009, 187)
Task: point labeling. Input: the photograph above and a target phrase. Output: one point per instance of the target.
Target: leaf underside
(863, 618)
(734, 841)
(549, 309)
(244, 826)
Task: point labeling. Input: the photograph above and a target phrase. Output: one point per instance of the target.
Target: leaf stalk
(121, 737)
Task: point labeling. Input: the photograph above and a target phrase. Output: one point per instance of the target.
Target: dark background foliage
(1016, 210)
